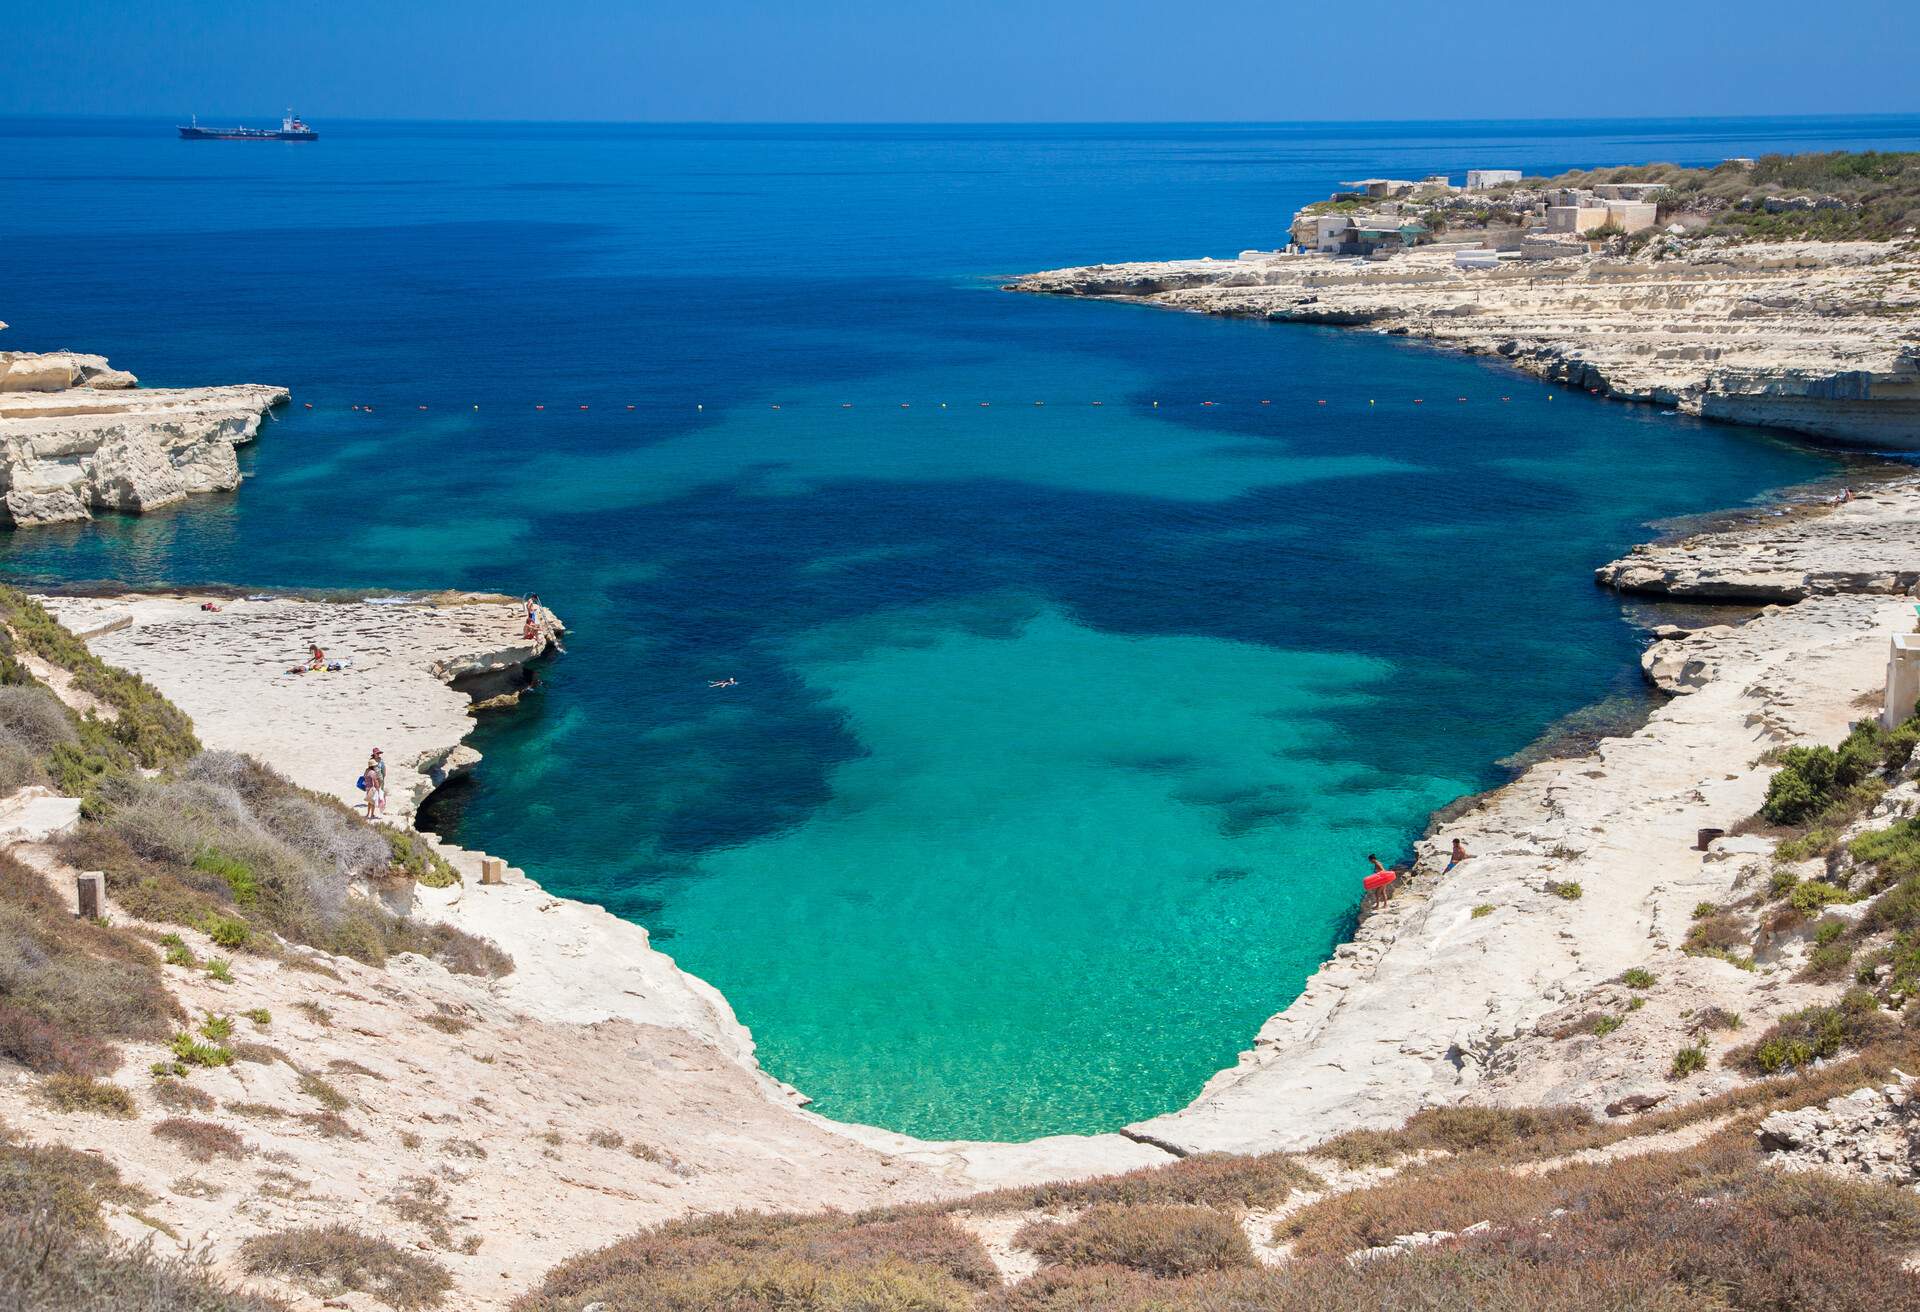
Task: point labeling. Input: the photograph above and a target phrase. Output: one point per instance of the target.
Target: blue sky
(983, 61)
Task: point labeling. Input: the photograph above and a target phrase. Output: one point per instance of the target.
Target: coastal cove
(1062, 730)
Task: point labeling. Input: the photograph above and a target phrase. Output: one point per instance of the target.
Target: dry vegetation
(1707, 1227)
(336, 1259)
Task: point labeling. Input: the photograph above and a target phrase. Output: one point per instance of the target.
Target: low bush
(1162, 1241)
(1455, 1130)
(81, 1093)
(178, 1096)
(337, 1259)
(1688, 1061)
(1814, 895)
(69, 987)
(1568, 890)
(1894, 851)
(1828, 963)
(1638, 978)
(1813, 780)
(1605, 1025)
(201, 1140)
(191, 1052)
(323, 1093)
(1797, 1040)
(1211, 1179)
(47, 1267)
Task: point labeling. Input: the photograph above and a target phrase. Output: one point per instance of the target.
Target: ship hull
(244, 134)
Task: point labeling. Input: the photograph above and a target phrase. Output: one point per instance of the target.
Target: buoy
(1319, 402)
(1418, 401)
(1266, 403)
(539, 407)
(1206, 403)
(583, 407)
(1459, 398)
(1369, 400)
(1505, 398)
(943, 405)
(700, 407)
(1379, 879)
(423, 407)
(774, 407)
(477, 407)
(1156, 405)
(1096, 403)
(905, 405)
(1039, 402)
(309, 405)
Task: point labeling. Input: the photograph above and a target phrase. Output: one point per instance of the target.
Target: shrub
(1568, 890)
(177, 951)
(1797, 1040)
(1688, 1061)
(80, 1093)
(69, 987)
(411, 856)
(1814, 780)
(1701, 910)
(1816, 895)
(192, 1052)
(323, 1093)
(1637, 978)
(1453, 1130)
(1210, 1179)
(336, 1259)
(1605, 1025)
(1162, 1241)
(226, 931)
(217, 1028)
(259, 1016)
(220, 970)
(1484, 909)
(606, 1138)
(49, 1268)
(201, 1140)
(238, 874)
(179, 1096)
(1711, 935)
(1895, 850)
(1828, 962)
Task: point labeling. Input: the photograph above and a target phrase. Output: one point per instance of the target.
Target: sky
(960, 61)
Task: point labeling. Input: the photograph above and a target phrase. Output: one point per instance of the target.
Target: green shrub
(1828, 962)
(1701, 910)
(1484, 909)
(412, 856)
(1688, 1061)
(259, 1016)
(1816, 895)
(226, 931)
(238, 874)
(1894, 851)
(220, 970)
(217, 1028)
(1605, 1025)
(1638, 978)
(178, 953)
(1568, 890)
(192, 1052)
(1795, 1041)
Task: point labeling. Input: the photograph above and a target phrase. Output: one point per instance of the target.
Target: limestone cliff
(78, 436)
(1821, 338)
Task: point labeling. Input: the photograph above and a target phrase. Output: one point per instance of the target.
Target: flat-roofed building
(1484, 179)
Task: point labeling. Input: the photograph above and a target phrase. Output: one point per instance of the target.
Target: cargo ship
(292, 128)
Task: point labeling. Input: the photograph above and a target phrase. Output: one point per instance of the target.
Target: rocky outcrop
(1816, 337)
(78, 437)
(1871, 1134)
(1870, 544)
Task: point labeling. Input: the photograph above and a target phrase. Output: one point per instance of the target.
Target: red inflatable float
(1379, 879)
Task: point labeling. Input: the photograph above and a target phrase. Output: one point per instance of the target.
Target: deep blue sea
(1062, 730)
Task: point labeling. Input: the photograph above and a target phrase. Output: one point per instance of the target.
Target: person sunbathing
(316, 659)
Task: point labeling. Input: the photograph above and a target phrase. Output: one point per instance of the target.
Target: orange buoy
(1206, 403)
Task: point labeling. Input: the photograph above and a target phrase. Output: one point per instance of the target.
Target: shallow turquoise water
(1062, 731)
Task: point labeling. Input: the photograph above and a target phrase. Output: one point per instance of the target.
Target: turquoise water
(1061, 731)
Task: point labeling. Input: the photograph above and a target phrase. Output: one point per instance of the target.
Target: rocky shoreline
(1812, 337)
(78, 436)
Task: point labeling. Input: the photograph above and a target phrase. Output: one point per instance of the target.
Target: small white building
(1486, 179)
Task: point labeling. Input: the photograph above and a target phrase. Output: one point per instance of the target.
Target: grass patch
(1689, 1060)
(1210, 1179)
(323, 1093)
(1637, 978)
(1454, 1130)
(190, 1051)
(1484, 909)
(176, 1095)
(1567, 890)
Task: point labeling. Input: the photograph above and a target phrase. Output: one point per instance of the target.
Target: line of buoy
(907, 405)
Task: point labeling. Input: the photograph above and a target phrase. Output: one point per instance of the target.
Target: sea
(1081, 652)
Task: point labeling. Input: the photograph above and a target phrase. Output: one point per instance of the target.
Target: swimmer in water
(727, 682)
